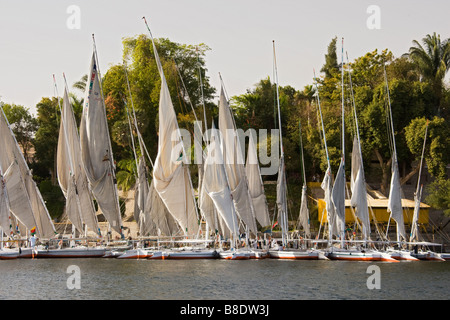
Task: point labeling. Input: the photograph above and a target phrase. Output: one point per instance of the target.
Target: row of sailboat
(231, 198)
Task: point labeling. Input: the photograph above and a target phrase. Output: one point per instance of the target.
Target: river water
(268, 279)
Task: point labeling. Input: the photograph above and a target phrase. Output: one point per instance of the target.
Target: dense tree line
(417, 91)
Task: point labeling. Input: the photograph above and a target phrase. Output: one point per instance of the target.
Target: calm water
(113, 279)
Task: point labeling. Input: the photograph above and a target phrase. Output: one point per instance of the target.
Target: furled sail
(358, 188)
(359, 200)
(215, 183)
(327, 186)
(234, 165)
(395, 201)
(71, 175)
(338, 198)
(255, 185)
(96, 150)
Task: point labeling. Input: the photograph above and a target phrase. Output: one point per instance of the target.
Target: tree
(331, 66)
(439, 195)
(432, 59)
(437, 151)
(23, 125)
(46, 141)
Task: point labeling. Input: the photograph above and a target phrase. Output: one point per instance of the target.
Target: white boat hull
(401, 255)
(9, 254)
(159, 255)
(428, 255)
(259, 254)
(234, 255)
(193, 254)
(134, 254)
(296, 254)
(356, 255)
(78, 252)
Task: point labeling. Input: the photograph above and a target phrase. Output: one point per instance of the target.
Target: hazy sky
(36, 41)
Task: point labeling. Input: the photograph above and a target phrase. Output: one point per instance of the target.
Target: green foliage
(439, 195)
(23, 125)
(437, 150)
(53, 198)
(46, 140)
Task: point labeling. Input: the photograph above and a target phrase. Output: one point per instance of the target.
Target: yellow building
(378, 209)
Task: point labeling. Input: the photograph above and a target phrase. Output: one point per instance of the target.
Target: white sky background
(36, 43)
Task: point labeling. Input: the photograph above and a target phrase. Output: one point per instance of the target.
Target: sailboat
(358, 200)
(414, 236)
(283, 252)
(171, 176)
(74, 185)
(216, 187)
(5, 221)
(22, 195)
(256, 189)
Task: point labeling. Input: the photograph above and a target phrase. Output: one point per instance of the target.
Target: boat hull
(401, 255)
(194, 254)
(158, 255)
(71, 253)
(9, 254)
(356, 255)
(428, 256)
(296, 254)
(134, 254)
(259, 254)
(234, 255)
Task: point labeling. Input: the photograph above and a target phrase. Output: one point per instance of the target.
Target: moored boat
(359, 255)
(193, 254)
(234, 254)
(401, 255)
(135, 254)
(158, 255)
(297, 254)
(428, 256)
(8, 254)
(76, 252)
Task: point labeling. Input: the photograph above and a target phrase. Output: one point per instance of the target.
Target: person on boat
(33, 240)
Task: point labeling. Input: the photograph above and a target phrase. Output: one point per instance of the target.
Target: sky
(46, 37)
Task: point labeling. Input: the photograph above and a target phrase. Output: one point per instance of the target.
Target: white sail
(71, 175)
(255, 185)
(282, 217)
(395, 197)
(418, 195)
(327, 186)
(338, 198)
(395, 201)
(303, 217)
(23, 191)
(304, 213)
(171, 178)
(5, 216)
(96, 150)
(234, 165)
(358, 188)
(359, 200)
(215, 183)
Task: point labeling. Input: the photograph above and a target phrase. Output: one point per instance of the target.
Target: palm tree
(81, 84)
(433, 61)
